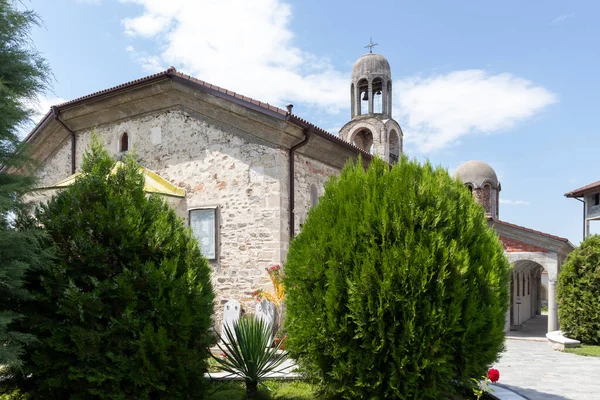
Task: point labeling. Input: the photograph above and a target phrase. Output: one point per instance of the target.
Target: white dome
(371, 64)
(477, 173)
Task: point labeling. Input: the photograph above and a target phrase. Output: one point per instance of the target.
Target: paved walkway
(535, 329)
(532, 369)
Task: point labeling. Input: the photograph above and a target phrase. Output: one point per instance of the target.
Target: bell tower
(372, 127)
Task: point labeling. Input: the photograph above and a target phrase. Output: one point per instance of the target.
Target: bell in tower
(372, 127)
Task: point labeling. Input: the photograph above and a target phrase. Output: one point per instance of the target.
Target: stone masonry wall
(308, 172)
(216, 168)
(60, 166)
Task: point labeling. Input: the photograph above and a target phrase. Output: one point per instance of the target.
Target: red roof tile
(497, 221)
(173, 73)
(583, 190)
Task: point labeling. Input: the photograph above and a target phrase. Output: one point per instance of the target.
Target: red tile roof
(219, 91)
(584, 189)
(497, 221)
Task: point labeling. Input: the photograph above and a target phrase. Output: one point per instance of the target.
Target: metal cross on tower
(371, 45)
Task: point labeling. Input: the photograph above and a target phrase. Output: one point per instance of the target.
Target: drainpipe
(56, 113)
(584, 230)
(291, 158)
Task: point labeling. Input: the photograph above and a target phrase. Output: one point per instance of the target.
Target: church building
(535, 256)
(244, 174)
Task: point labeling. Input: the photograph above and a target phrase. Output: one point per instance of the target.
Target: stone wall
(59, 167)
(217, 169)
(308, 172)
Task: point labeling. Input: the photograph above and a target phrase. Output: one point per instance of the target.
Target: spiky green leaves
(396, 286)
(248, 351)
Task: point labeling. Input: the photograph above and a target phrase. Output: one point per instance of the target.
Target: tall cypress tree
(23, 75)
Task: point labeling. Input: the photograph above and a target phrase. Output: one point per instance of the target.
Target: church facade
(244, 174)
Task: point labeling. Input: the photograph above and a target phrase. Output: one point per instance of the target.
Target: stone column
(357, 99)
(389, 100)
(586, 222)
(352, 100)
(370, 94)
(384, 99)
(552, 306)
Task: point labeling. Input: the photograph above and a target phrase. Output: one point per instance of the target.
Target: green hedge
(126, 310)
(396, 287)
(579, 292)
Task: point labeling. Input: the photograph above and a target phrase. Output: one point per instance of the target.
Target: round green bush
(125, 311)
(396, 287)
(579, 292)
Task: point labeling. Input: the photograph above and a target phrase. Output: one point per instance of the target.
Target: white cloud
(147, 25)
(513, 202)
(248, 47)
(438, 111)
(562, 18)
(245, 46)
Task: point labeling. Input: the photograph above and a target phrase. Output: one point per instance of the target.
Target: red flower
(223, 355)
(493, 375)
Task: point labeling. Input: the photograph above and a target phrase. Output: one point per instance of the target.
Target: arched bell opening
(363, 97)
(377, 92)
(363, 139)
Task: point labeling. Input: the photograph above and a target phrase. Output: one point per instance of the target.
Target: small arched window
(314, 195)
(470, 188)
(124, 142)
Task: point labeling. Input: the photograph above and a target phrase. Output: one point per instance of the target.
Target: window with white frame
(203, 222)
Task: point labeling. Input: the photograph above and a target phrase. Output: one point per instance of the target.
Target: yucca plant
(248, 352)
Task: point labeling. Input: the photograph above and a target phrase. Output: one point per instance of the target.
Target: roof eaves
(237, 98)
(583, 190)
(327, 135)
(234, 97)
(494, 220)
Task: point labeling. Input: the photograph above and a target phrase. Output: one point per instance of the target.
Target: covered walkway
(533, 329)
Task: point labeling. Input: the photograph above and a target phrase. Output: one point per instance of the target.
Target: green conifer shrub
(578, 292)
(24, 74)
(126, 311)
(396, 287)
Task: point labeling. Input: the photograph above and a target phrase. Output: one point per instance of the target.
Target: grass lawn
(288, 390)
(585, 350)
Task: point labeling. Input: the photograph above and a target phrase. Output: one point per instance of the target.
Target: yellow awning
(153, 183)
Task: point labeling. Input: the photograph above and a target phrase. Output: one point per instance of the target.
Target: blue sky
(512, 83)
